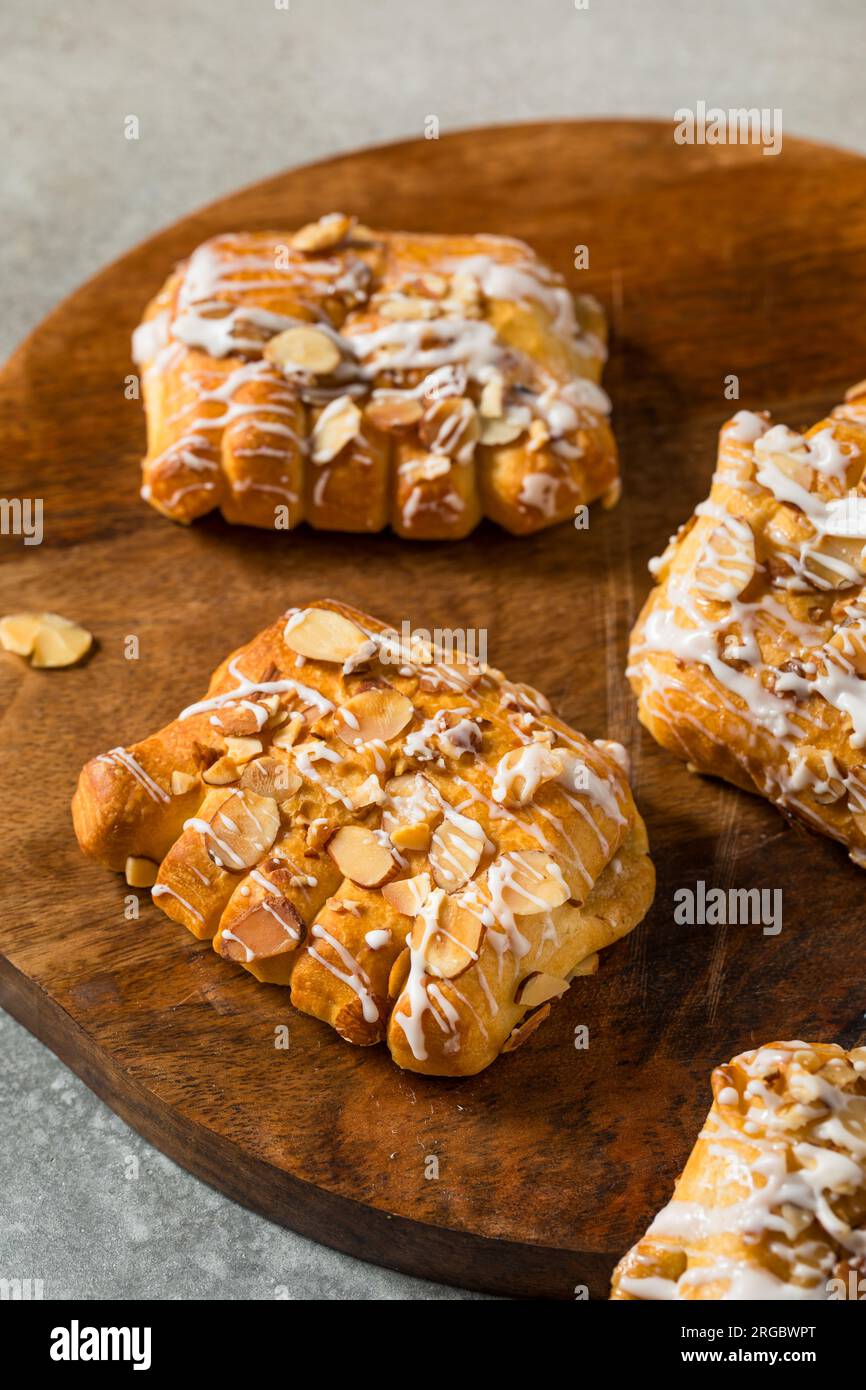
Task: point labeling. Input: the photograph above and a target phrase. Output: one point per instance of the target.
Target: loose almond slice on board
(519, 1035)
(537, 988)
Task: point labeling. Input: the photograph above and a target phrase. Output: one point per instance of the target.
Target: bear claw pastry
(772, 1201)
(357, 379)
(749, 658)
(417, 846)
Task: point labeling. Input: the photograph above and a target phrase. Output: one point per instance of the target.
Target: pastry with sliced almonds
(749, 658)
(420, 848)
(356, 380)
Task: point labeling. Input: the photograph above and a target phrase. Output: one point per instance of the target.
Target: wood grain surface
(710, 261)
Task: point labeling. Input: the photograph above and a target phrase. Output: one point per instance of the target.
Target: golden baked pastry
(772, 1201)
(749, 658)
(357, 379)
(419, 847)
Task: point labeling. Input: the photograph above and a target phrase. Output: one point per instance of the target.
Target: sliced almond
(450, 427)
(339, 423)
(270, 777)
(360, 856)
(855, 392)
(303, 350)
(492, 403)
(453, 943)
(412, 799)
(140, 873)
(521, 772)
(408, 895)
(374, 714)
(269, 928)
(508, 428)
(850, 642)
(182, 782)
(531, 882)
(413, 837)
(518, 1036)
(18, 632)
(393, 412)
(59, 642)
(287, 737)
(537, 988)
(587, 966)
(242, 830)
(241, 750)
(322, 635)
(455, 853)
(370, 793)
(727, 561)
(451, 676)
(399, 974)
(221, 773)
(329, 231)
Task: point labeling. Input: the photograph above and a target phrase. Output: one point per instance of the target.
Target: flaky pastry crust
(417, 846)
(357, 379)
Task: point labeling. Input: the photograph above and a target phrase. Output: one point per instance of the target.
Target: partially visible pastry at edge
(356, 379)
(417, 846)
(749, 658)
(772, 1201)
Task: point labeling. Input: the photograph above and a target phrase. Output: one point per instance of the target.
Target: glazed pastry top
(750, 656)
(337, 338)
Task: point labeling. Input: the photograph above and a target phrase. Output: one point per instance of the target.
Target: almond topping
(241, 750)
(415, 836)
(329, 231)
(533, 882)
(140, 873)
(408, 895)
(221, 773)
(524, 1030)
(393, 412)
(303, 350)
(339, 423)
(492, 403)
(242, 830)
(269, 777)
(322, 635)
(505, 430)
(453, 944)
(587, 966)
(269, 928)
(48, 639)
(374, 714)
(537, 988)
(451, 427)
(288, 737)
(455, 853)
(727, 561)
(360, 856)
(182, 782)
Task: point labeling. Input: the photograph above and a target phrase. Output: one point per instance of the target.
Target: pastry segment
(772, 1201)
(357, 379)
(749, 658)
(419, 847)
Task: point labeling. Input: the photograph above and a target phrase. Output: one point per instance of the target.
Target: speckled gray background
(226, 92)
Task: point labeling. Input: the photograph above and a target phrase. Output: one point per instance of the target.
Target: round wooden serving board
(711, 261)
